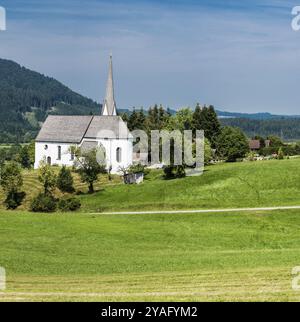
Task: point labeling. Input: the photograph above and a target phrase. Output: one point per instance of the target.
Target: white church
(108, 131)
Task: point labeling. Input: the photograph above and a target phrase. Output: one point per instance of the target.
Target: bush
(65, 180)
(14, 200)
(70, 204)
(174, 172)
(232, 144)
(280, 154)
(180, 171)
(138, 168)
(11, 182)
(43, 203)
(168, 171)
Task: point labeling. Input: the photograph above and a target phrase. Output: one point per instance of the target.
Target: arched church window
(119, 155)
(59, 153)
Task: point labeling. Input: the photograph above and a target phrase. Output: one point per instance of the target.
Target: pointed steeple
(109, 104)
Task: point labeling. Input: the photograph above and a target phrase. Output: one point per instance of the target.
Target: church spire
(109, 104)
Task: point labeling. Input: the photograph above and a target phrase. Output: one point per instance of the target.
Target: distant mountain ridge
(255, 116)
(224, 114)
(27, 97)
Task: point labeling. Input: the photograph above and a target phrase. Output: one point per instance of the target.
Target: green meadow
(228, 185)
(89, 256)
(207, 257)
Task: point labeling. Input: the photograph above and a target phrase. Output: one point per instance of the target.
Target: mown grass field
(200, 257)
(249, 184)
(207, 257)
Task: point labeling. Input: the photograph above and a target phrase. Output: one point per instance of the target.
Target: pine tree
(197, 118)
(153, 118)
(141, 120)
(206, 119)
(163, 117)
(24, 157)
(133, 120)
(65, 180)
(125, 117)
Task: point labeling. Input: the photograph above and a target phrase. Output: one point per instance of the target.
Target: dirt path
(196, 211)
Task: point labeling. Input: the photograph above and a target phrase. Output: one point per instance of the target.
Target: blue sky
(236, 55)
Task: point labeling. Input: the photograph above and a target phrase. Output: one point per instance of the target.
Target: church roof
(73, 129)
(87, 146)
(68, 129)
(107, 127)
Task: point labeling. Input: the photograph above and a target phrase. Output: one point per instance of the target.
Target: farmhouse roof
(254, 144)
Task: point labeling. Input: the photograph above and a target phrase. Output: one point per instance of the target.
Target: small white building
(60, 133)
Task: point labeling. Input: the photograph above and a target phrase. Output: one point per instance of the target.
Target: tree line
(288, 129)
(227, 143)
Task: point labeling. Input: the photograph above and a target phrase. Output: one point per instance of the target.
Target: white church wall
(44, 150)
(126, 154)
(111, 146)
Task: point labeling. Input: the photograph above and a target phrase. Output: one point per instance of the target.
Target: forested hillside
(286, 128)
(27, 97)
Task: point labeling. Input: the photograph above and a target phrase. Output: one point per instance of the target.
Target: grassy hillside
(268, 183)
(32, 186)
(212, 257)
(250, 184)
(150, 257)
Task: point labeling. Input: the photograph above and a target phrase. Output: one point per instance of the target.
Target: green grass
(32, 186)
(251, 184)
(222, 257)
(212, 257)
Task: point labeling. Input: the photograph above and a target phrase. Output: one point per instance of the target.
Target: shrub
(65, 180)
(232, 144)
(43, 203)
(12, 182)
(174, 172)
(69, 204)
(47, 177)
(168, 171)
(139, 168)
(280, 154)
(14, 200)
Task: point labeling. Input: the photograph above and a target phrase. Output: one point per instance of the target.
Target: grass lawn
(249, 184)
(210, 257)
